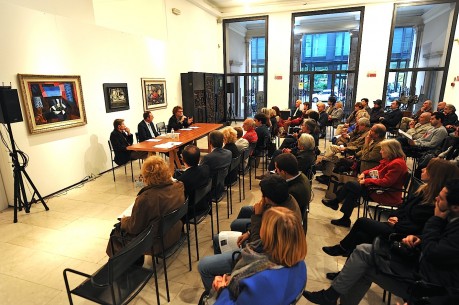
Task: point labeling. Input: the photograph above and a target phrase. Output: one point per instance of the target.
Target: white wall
(41, 42)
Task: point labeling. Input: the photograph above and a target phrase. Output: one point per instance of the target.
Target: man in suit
(296, 112)
(298, 184)
(218, 157)
(121, 138)
(146, 129)
(195, 175)
(393, 116)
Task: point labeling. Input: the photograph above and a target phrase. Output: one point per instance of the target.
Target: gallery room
(116, 59)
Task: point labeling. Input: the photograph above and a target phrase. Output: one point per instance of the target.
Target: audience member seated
(178, 120)
(438, 262)
(409, 218)
(269, 271)
(250, 134)
(431, 140)
(323, 119)
(262, 131)
(160, 196)
(370, 155)
(356, 141)
(194, 176)
(393, 116)
(279, 120)
(218, 157)
(146, 129)
(407, 121)
(298, 184)
(274, 192)
(241, 143)
(229, 139)
(296, 111)
(417, 130)
(441, 106)
(450, 121)
(290, 144)
(121, 138)
(376, 112)
(391, 173)
(336, 112)
(364, 102)
(351, 119)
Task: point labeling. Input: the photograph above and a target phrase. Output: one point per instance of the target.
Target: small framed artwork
(52, 102)
(154, 93)
(116, 97)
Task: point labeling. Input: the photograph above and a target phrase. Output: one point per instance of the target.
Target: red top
(251, 136)
(391, 174)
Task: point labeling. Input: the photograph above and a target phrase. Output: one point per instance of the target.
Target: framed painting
(116, 97)
(154, 93)
(52, 102)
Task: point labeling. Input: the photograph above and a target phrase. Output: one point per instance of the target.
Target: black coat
(194, 178)
(392, 118)
(412, 216)
(121, 140)
(375, 114)
(144, 132)
(175, 124)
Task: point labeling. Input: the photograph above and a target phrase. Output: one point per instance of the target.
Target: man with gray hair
(417, 130)
(355, 143)
(450, 117)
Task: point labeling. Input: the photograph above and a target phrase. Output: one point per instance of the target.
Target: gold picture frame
(52, 102)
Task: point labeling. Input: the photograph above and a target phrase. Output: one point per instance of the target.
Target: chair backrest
(245, 154)
(218, 181)
(252, 148)
(235, 162)
(170, 219)
(201, 193)
(137, 137)
(160, 126)
(111, 150)
(127, 256)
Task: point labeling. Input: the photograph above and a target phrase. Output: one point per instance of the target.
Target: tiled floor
(74, 233)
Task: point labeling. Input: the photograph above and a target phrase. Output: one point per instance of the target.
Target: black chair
(166, 223)
(113, 163)
(196, 217)
(218, 189)
(243, 169)
(161, 127)
(120, 279)
(261, 155)
(230, 180)
(379, 190)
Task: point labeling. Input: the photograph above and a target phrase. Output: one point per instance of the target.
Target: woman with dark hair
(409, 218)
(270, 270)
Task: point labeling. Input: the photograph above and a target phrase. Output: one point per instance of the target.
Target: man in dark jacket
(439, 259)
(195, 175)
(146, 129)
(121, 138)
(376, 112)
(392, 117)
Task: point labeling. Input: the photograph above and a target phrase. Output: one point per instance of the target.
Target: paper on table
(168, 145)
(193, 127)
(185, 129)
(126, 212)
(153, 140)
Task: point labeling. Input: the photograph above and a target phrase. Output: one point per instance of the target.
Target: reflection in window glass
(419, 50)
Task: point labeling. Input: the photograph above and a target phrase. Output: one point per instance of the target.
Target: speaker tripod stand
(20, 196)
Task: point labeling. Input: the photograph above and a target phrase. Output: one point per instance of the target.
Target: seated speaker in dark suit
(121, 138)
(195, 176)
(219, 157)
(146, 128)
(393, 116)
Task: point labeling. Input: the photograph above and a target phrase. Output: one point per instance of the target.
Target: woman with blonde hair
(271, 270)
(229, 139)
(390, 173)
(160, 196)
